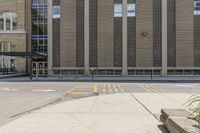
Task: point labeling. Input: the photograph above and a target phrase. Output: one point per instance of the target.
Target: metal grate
(80, 33)
(171, 24)
(93, 33)
(157, 41)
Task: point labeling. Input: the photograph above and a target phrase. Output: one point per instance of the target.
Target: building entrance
(40, 69)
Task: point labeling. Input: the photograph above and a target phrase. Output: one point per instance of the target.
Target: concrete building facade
(112, 37)
(13, 34)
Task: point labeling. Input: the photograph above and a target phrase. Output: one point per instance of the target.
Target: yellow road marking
(72, 89)
(144, 87)
(115, 88)
(120, 88)
(161, 88)
(79, 93)
(150, 89)
(95, 88)
(153, 89)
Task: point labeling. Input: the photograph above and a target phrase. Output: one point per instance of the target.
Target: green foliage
(194, 106)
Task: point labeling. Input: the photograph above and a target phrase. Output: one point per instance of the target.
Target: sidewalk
(110, 78)
(11, 76)
(124, 78)
(119, 113)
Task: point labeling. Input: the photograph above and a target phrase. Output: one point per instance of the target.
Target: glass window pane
(8, 24)
(34, 29)
(56, 11)
(39, 28)
(2, 21)
(41, 1)
(131, 10)
(35, 1)
(197, 8)
(14, 20)
(118, 10)
(45, 29)
(8, 21)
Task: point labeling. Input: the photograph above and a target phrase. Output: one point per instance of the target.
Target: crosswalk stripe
(145, 88)
(153, 88)
(161, 88)
(121, 88)
(115, 88)
(104, 87)
(109, 87)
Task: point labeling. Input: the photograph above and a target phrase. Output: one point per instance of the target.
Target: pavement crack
(75, 118)
(82, 123)
(143, 105)
(93, 105)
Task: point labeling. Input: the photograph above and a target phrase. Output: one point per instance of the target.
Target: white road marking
(104, 88)
(109, 86)
(37, 90)
(8, 89)
(185, 85)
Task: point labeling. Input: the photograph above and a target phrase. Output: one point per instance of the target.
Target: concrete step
(181, 125)
(166, 113)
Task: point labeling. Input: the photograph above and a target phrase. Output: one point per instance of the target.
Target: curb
(179, 121)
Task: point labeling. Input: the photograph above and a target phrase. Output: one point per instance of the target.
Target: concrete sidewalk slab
(83, 105)
(119, 113)
(181, 98)
(118, 103)
(83, 123)
(154, 102)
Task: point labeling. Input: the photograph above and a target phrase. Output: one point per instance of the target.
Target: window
(56, 11)
(8, 21)
(117, 10)
(39, 26)
(1, 21)
(197, 7)
(131, 10)
(7, 61)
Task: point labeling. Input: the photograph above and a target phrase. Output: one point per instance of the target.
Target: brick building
(105, 37)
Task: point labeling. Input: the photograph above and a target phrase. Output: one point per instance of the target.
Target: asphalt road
(17, 98)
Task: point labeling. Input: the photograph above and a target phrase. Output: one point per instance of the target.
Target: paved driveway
(17, 98)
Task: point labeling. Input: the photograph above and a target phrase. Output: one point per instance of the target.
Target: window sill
(13, 32)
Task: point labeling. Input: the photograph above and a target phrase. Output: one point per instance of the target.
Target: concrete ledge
(166, 113)
(179, 121)
(181, 125)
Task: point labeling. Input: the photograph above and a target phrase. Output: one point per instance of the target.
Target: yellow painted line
(162, 88)
(120, 88)
(72, 89)
(154, 89)
(158, 89)
(115, 88)
(78, 93)
(145, 88)
(95, 88)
